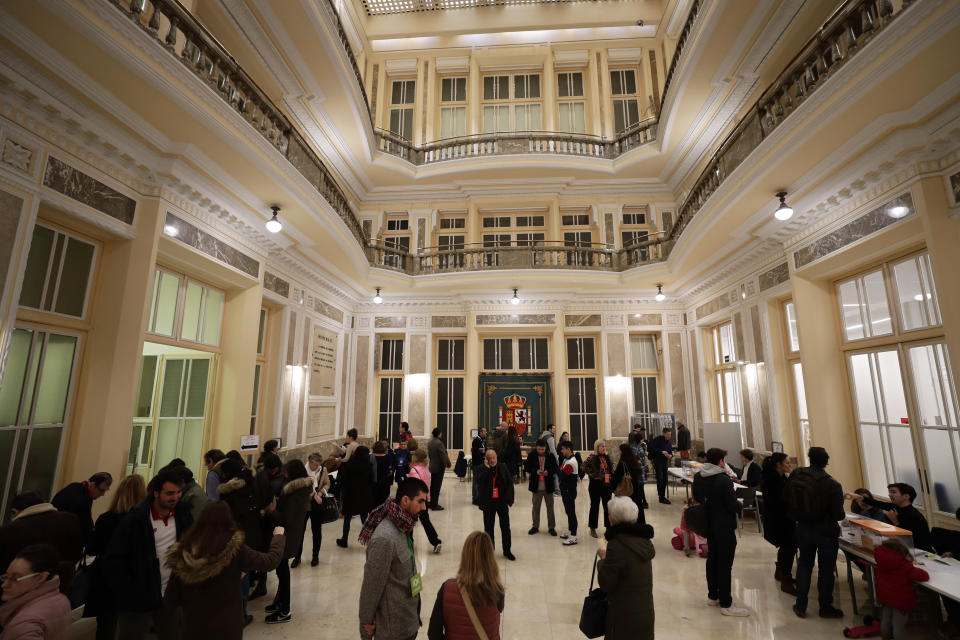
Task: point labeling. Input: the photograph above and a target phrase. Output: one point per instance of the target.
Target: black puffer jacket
(714, 488)
(293, 506)
(778, 528)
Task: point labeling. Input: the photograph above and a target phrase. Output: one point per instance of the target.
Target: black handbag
(593, 616)
(695, 518)
(80, 586)
(329, 510)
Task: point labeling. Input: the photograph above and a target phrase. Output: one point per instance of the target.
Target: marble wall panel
(867, 224)
(677, 389)
(422, 223)
(390, 322)
(720, 302)
(328, 310)
(619, 412)
(521, 318)
(774, 276)
(738, 336)
(697, 373)
(85, 189)
(417, 411)
(213, 247)
(418, 353)
(276, 284)
(616, 354)
(10, 207)
(608, 229)
(360, 382)
(745, 394)
(762, 382)
(576, 320)
(444, 322)
(344, 380)
(320, 423)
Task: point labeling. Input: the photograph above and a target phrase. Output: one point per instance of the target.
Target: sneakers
(341, 543)
(509, 556)
(801, 613)
(831, 612)
(552, 532)
(735, 611)
(277, 617)
(565, 535)
(270, 608)
(436, 547)
(571, 540)
(533, 530)
(295, 563)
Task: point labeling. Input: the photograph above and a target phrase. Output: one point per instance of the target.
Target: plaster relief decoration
(208, 244)
(363, 323)
(445, 322)
(320, 423)
(276, 284)
(514, 318)
(390, 322)
(773, 277)
(614, 320)
(323, 362)
(887, 214)
(87, 190)
(419, 322)
(675, 319)
(640, 319)
(592, 320)
(18, 156)
(328, 310)
(720, 302)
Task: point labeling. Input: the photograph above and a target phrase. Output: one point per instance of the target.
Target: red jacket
(895, 578)
(451, 621)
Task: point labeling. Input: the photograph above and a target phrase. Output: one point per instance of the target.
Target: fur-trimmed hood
(297, 484)
(234, 484)
(192, 570)
(218, 467)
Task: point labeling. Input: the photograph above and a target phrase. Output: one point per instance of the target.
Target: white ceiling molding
(453, 64)
(565, 59)
(401, 67)
(623, 55)
(489, 68)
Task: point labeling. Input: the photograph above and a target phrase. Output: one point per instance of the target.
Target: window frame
(402, 107)
(55, 281)
(625, 98)
(571, 100)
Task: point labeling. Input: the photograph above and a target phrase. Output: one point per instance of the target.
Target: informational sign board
(249, 443)
(776, 447)
(661, 421)
(323, 362)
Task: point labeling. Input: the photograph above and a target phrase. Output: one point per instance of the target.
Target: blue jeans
(814, 544)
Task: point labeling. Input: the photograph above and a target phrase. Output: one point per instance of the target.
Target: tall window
(401, 108)
(452, 238)
(450, 410)
(498, 354)
(391, 354)
(396, 237)
(582, 408)
(865, 310)
(58, 273)
(570, 103)
(453, 107)
(798, 391)
(511, 103)
(726, 376)
(532, 354)
(634, 230)
(645, 371)
(185, 309)
(450, 354)
(258, 370)
(626, 106)
(580, 354)
(504, 231)
(391, 387)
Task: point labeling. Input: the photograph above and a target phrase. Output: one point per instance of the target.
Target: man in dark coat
(135, 564)
(439, 462)
(541, 467)
(269, 484)
(495, 495)
(713, 488)
(39, 522)
(661, 453)
(683, 441)
(77, 498)
(476, 456)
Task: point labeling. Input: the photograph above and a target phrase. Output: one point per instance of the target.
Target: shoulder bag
(625, 486)
(473, 614)
(593, 616)
(329, 510)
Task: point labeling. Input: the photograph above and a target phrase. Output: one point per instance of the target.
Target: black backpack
(805, 503)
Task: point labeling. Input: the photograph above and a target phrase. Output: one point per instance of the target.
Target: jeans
(135, 625)
(428, 528)
(570, 507)
(721, 548)
(316, 529)
(498, 508)
(436, 479)
(892, 622)
(346, 524)
(599, 493)
(538, 498)
(660, 469)
(282, 600)
(814, 544)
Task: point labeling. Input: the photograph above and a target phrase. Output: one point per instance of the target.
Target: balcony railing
(520, 142)
(181, 35)
(516, 255)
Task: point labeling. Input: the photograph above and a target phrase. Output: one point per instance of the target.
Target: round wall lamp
(273, 224)
(784, 211)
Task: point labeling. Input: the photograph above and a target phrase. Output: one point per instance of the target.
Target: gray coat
(437, 451)
(385, 594)
(626, 574)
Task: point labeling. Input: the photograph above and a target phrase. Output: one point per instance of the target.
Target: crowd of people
(182, 561)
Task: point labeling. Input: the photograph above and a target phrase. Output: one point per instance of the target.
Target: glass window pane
(13, 376)
(630, 81)
(148, 375)
(894, 399)
(863, 387)
(397, 95)
(256, 389)
(192, 304)
(42, 458)
(904, 459)
(170, 392)
(261, 333)
(873, 460)
(55, 379)
(211, 317)
(74, 278)
(633, 113)
(792, 327)
(563, 89)
(35, 273)
(915, 294)
(576, 85)
(197, 387)
(192, 448)
(488, 87)
(942, 456)
(801, 394)
(616, 82)
(166, 303)
(850, 305)
(7, 438)
(33, 372)
(534, 86)
(446, 89)
(876, 294)
(54, 271)
(619, 115)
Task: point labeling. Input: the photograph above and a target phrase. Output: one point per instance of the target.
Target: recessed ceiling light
(170, 230)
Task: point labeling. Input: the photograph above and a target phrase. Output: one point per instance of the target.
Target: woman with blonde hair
(470, 604)
(131, 491)
(600, 470)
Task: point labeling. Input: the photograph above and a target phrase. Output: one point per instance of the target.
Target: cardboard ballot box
(873, 532)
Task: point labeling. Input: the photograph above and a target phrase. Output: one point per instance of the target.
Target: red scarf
(391, 509)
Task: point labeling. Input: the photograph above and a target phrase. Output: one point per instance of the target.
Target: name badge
(416, 584)
(606, 478)
(496, 493)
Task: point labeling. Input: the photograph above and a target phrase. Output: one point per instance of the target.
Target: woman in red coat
(896, 574)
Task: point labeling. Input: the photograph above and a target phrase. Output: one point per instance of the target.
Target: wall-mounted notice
(323, 362)
(249, 443)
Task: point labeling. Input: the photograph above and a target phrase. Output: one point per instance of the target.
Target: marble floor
(547, 583)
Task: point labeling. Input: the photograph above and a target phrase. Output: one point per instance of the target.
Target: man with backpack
(815, 501)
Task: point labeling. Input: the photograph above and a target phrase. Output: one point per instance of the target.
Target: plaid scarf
(392, 509)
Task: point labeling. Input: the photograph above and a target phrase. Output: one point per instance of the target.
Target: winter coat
(40, 614)
(626, 575)
(713, 488)
(683, 438)
(356, 483)
(657, 447)
(635, 477)
(511, 456)
(99, 599)
(437, 451)
(485, 486)
(420, 472)
(267, 487)
(385, 592)
(195, 497)
(778, 528)
(532, 467)
(477, 451)
(895, 578)
(42, 523)
(450, 620)
(74, 499)
(131, 567)
(244, 507)
(208, 588)
(293, 506)
(594, 469)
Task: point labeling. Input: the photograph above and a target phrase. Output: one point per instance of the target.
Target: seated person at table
(750, 473)
(896, 574)
(701, 456)
(867, 511)
(901, 512)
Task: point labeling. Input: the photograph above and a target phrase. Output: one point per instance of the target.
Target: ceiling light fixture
(516, 298)
(660, 297)
(273, 225)
(170, 230)
(784, 211)
(377, 299)
(898, 212)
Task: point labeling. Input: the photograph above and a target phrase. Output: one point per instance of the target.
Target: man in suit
(495, 495)
(439, 462)
(661, 453)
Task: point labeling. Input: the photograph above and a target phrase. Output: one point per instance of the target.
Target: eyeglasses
(7, 577)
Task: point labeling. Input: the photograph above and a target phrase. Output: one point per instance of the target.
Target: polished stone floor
(547, 583)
